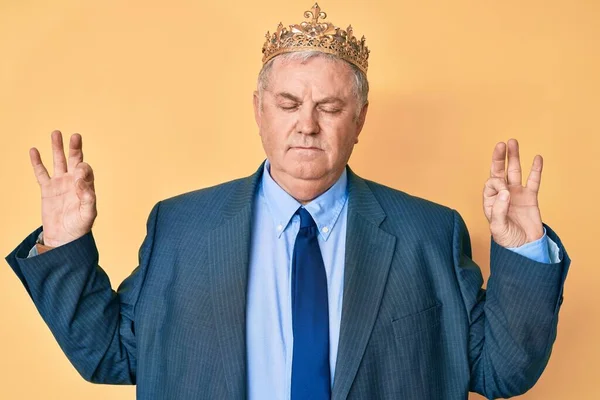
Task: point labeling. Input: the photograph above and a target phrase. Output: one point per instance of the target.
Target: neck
(304, 190)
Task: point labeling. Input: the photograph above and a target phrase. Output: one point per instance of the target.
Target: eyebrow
(331, 99)
(289, 96)
(326, 100)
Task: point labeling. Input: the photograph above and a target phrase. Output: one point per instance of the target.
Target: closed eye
(330, 110)
(288, 106)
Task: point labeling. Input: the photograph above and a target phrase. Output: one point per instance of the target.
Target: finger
(535, 175)
(499, 222)
(498, 167)
(490, 191)
(84, 171)
(75, 151)
(58, 152)
(493, 186)
(514, 164)
(40, 171)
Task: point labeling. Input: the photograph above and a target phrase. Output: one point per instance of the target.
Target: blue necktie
(310, 316)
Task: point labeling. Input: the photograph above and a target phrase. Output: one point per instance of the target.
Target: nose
(307, 123)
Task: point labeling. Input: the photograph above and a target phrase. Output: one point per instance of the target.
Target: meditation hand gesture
(512, 209)
(68, 198)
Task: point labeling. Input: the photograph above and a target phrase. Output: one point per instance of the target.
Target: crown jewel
(317, 36)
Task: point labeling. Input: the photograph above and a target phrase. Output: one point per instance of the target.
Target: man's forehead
(317, 70)
(297, 88)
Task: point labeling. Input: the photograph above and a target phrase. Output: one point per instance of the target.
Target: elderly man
(302, 281)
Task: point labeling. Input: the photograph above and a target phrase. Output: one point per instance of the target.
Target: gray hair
(361, 84)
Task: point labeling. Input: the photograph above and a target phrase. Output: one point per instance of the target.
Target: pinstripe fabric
(415, 322)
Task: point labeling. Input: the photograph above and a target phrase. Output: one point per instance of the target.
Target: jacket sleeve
(512, 324)
(93, 324)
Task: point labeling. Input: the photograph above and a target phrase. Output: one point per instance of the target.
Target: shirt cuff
(39, 247)
(543, 250)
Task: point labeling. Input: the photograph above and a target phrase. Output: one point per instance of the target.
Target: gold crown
(317, 36)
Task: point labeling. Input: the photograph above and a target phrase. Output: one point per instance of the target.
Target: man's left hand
(511, 208)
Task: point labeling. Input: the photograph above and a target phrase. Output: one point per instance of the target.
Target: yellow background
(161, 92)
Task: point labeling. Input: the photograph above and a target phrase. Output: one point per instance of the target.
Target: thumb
(499, 223)
(86, 195)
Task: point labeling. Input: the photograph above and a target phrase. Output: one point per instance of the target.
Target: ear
(257, 111)
(360, 121)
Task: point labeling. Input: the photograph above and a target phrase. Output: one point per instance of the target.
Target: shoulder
(203, 208)
(208, 197)
(417, 213)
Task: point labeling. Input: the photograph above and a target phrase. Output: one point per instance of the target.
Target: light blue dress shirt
(269, 317)
(268, 314)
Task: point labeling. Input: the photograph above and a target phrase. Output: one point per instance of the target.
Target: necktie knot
(306, 220)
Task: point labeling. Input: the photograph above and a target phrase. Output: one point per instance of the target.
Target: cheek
(274, 134)
(343, 139)
(276, 125)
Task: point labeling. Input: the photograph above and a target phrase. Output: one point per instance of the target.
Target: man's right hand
(69, 197)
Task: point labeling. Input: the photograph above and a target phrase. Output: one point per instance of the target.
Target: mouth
(305, 148)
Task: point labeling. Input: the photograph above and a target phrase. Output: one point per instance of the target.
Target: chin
(312, 172)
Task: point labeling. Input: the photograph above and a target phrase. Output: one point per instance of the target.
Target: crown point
(315, 13)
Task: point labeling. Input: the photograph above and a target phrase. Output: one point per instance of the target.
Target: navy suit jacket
(416, 323)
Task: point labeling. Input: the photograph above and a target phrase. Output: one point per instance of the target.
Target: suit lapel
(369, 252)
(228, 258)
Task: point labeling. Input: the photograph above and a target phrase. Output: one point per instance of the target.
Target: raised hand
(511, 208)
(68, 198)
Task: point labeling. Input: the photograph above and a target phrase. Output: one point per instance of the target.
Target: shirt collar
(325, 209)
